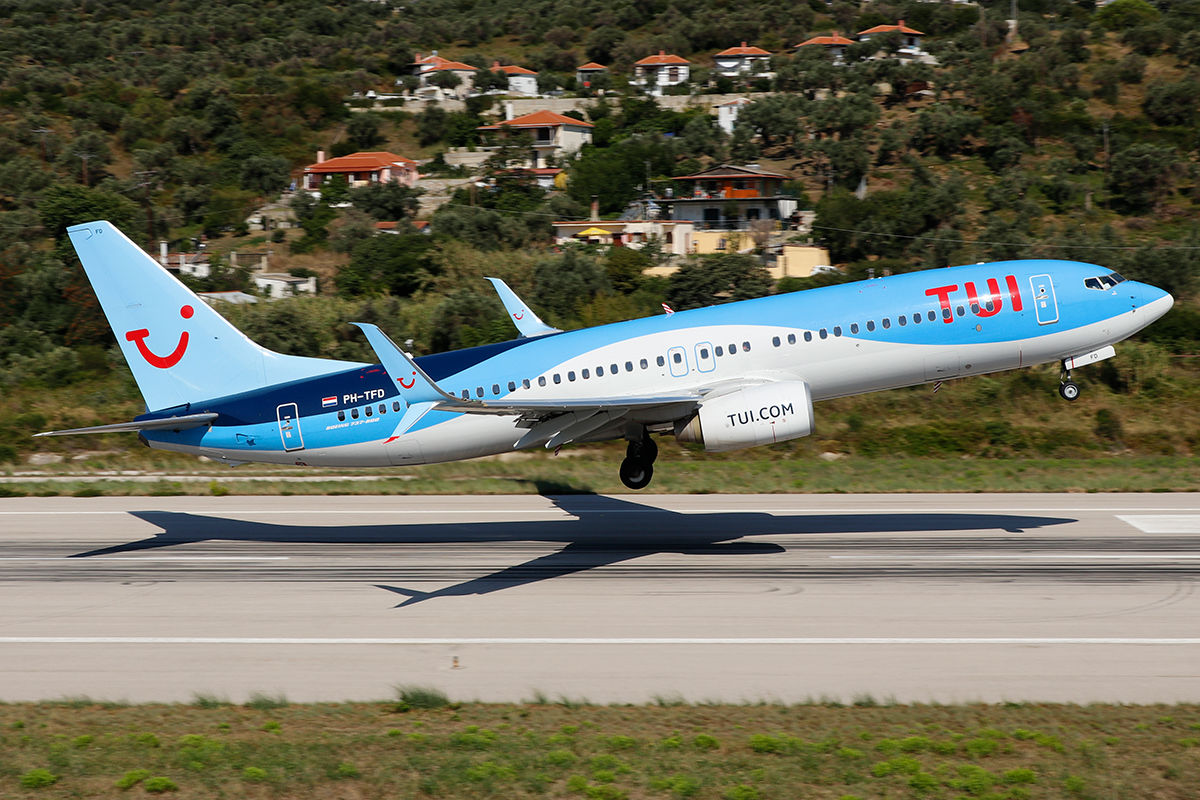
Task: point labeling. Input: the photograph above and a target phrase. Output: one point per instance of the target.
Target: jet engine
(772, 412)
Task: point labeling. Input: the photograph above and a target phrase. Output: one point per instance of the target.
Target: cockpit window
(1103, 282)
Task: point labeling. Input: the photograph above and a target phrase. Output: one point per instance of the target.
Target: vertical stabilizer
(180, 349)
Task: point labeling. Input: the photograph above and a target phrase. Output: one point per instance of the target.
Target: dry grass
(819, 750)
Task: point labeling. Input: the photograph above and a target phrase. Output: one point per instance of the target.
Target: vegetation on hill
(176, 120)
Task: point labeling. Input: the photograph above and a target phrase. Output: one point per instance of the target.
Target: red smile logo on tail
(138, 337)
(411, 381)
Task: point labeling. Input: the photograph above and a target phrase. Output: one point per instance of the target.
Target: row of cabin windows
(369, 411)
(600, 371)
(885, 323)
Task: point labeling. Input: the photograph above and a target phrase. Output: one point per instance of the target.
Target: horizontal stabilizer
(411, 381)
(167, 423)
(527, 322)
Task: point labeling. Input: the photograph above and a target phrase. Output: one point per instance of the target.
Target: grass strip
(423, 745)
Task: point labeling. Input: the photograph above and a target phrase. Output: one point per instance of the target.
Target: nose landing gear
(1067, 388)
(638, 467)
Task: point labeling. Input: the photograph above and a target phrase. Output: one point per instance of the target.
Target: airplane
(727, 377)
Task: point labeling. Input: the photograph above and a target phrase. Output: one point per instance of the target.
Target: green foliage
(132, 778)
(712, 279)
(255, 775)
(1124, 14)
(386, 201)
(38, 778)
(266, 702)
(421, 697)
(387, 264)
(159, 785)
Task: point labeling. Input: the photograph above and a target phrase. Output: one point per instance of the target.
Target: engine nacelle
(772, 412)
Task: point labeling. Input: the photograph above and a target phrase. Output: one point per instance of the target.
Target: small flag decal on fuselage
(326, 402)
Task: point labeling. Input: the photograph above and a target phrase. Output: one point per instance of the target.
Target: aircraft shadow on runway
(604, 531)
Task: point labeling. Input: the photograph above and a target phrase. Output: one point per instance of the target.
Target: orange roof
(361, 162)
(451, 65)
(662, 59)
(538, 119)
(901, 27)
(591, 65)
(510, 69)
(432, 58)
(836, 39)
(744, 51)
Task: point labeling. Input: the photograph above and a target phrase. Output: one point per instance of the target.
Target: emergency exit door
(289, 427)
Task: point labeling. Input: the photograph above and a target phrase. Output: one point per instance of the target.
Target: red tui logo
(138, 337)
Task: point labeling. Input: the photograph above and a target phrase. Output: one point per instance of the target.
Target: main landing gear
(1067, 388)
(638, 467)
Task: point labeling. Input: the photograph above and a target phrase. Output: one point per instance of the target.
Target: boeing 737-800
(727, 376)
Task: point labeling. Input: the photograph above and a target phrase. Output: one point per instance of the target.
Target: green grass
(822, 750)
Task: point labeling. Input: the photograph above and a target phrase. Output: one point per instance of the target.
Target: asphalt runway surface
(607, 599)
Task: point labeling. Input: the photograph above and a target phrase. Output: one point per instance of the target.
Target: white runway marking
(1192, 522)
(994, 640)
(1049, 556)
(1163, 523)
(93, 560)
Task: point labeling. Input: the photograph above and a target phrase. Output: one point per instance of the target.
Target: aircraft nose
(1155, 301)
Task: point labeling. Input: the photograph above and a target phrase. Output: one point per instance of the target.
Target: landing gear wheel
(1069, 390)
(636, 474)
(645, 450)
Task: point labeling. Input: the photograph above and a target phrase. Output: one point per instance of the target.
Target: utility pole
(145, 180)
(42, 132)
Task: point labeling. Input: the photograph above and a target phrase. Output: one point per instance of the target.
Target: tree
(1172, 103)
(67, 204)
(1122, 15)
(1141, 174)
(723, 278)
(445, 79)
(386, 201)
(363, 131)
(385, 263)
(624, 267)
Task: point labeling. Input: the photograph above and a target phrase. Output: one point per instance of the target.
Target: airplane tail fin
(180, 349)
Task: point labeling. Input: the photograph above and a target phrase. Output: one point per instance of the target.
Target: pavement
(930, 597)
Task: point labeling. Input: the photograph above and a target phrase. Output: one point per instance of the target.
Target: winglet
(526, 321)
(412, 382)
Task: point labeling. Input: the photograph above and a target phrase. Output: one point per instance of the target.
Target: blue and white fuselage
(731, 375)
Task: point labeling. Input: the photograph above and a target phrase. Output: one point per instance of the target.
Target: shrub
(561, 758)
(271, 726)
(159, 784)
(345, 770)
(266, 702)
(254, 774)
(421, 697)
(201, 700)
(83, 741)
(132, 778)
(923, 783)
(741, 792)
(146, 739)
(1019, 776)
(38, 778)
(620, 742)
(705, 742)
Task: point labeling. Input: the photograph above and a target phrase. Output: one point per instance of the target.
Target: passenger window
(396, 406)
(704, 352)
(961, 311)
(612, 369)
(571, 375)
(557, 378)
(837, 330)
(660, 361)
(599, 372)
(512, 386)
(479, 391)
(853, 327)
(746, 347)
(824, 334)
(903, 320)
(947, 314)
(586, 374)
(382, 408)
(541, 380)
(732, 349)
(932, 316)
(677, 358)
(808, 336)
(916, 319)
(720, 351)
(341, 416)
(466, 393)
(775, 341)
(974, 308)
(629, 366)
(354, 413)
(367, 411)
(870, 324)
(495, 389)
(644, 364)
(791, 338)
(525, 383)
(887, 323)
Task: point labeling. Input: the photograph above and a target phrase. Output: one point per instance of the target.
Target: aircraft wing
(181, 423)
(417, 387)
(527, 322)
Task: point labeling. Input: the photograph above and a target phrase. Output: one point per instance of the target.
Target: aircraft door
(289, 427)
(704, 357)
(678, 361)
(1045, 303)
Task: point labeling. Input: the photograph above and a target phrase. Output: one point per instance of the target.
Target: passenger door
(1044, 302)
(289, 427)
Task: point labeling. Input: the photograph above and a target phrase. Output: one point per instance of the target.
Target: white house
(520, 80)
(280, 284)
(727, 113)
(835, 45)
(654, 73)
(428, 66)
(554, 135)
(359, 169)
(585, 74)
(910, 41)
(743, 62)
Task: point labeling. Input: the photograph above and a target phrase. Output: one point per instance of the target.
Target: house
(730, 198)
(554, 135)
(362, 168)
(674, 236)
(520, 80)
(280, 284)
(194, 264)
(727, 113)
(653, 73)
(585, 74)
(743, 62)
(395, 227)
(835, 45)
(910, 41)
(428, 66)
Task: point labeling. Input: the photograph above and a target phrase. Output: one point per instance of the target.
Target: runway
(608, 599)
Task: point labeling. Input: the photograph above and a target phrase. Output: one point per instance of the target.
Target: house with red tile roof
(585, 74)
(743, 62)
(654, 73)
(361, 169)
(428, 66)
(520, 79)
(835, 45)
(554, 135)
(910, 41)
